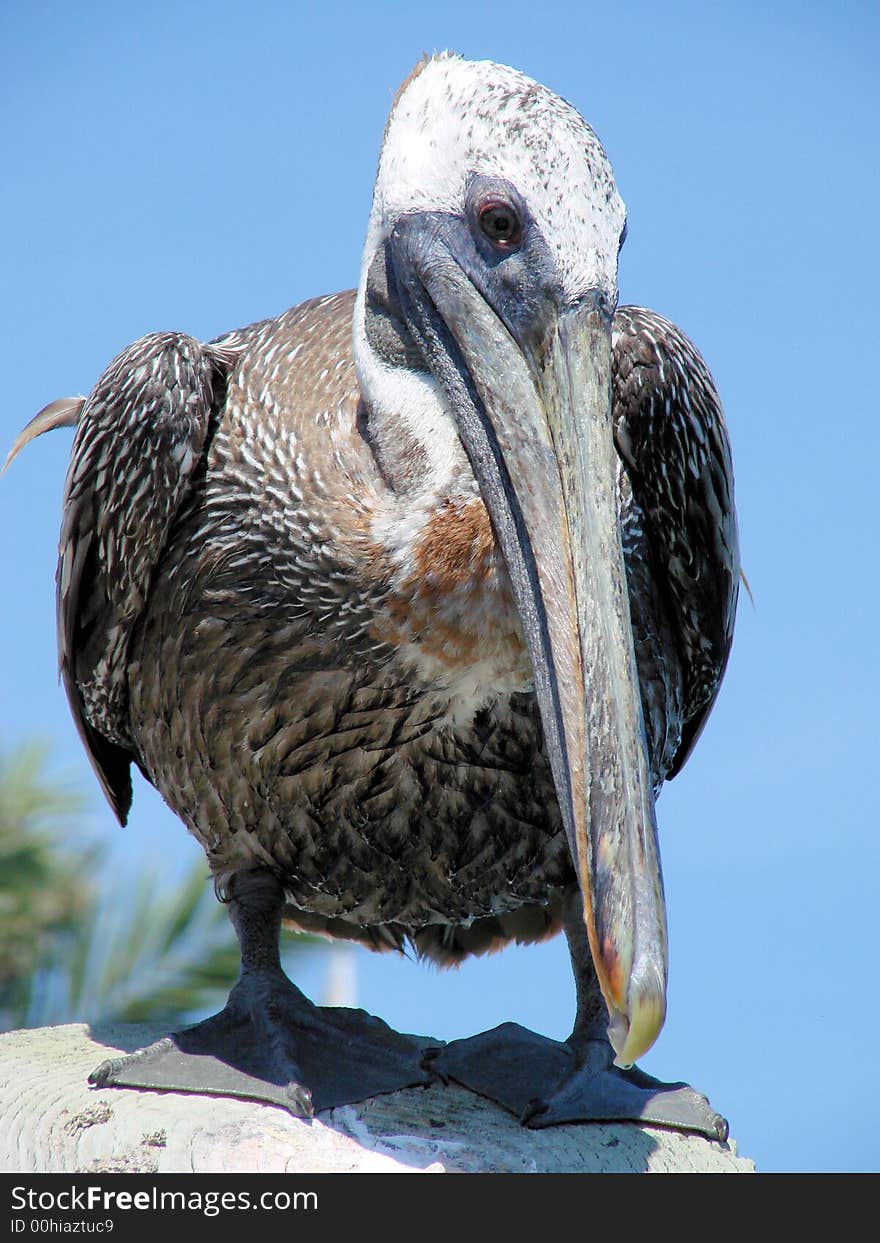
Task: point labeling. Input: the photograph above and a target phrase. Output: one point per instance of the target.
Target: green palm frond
(81, 943)
(44, 876)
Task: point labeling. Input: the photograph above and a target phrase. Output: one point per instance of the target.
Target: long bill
(536, 424)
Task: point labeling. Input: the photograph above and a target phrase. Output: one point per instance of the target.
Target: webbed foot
(270, 1043)
(545, 1083)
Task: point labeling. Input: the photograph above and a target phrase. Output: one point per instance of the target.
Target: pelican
(408, 601)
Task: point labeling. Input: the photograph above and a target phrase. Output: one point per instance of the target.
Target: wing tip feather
(65, 412)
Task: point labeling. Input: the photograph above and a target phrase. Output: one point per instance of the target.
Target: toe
(616, 1096)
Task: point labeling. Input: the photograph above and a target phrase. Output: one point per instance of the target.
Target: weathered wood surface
(51, 1120)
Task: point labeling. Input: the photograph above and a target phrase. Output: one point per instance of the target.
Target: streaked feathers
(139, 452)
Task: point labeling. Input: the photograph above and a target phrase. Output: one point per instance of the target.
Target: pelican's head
(488, 286)
(463, 134)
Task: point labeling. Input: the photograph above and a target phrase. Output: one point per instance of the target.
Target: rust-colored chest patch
(452, 597)
(456, 548)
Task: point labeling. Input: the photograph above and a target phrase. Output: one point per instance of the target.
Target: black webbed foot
(595, 1090)
(545, 1083)
(270, 1043)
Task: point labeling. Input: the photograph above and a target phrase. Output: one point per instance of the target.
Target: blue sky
(199, 167)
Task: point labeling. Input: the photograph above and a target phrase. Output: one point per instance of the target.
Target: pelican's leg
(546, 1082)
(270, 1042)
(594, 1089)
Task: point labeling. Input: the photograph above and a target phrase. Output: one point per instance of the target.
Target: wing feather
(671, 434)
(140, 438)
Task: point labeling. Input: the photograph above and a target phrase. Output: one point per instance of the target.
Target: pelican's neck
(410, 428)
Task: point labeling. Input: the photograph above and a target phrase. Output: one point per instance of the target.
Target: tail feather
(64, 412)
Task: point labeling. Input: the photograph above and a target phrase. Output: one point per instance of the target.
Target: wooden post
(52, 1121)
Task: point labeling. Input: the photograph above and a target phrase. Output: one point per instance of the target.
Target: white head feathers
(454, 117)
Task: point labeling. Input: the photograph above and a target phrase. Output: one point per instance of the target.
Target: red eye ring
(500, 223)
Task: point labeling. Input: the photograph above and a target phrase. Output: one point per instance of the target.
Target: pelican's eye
(500, 223)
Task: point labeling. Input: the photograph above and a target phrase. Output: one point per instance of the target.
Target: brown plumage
(299, 691)
(670, 433)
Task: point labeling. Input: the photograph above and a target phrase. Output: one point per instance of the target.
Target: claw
(299, 1101)
(101, 1075)
(534, 1109)
(429, 1064)
(722, 1128)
